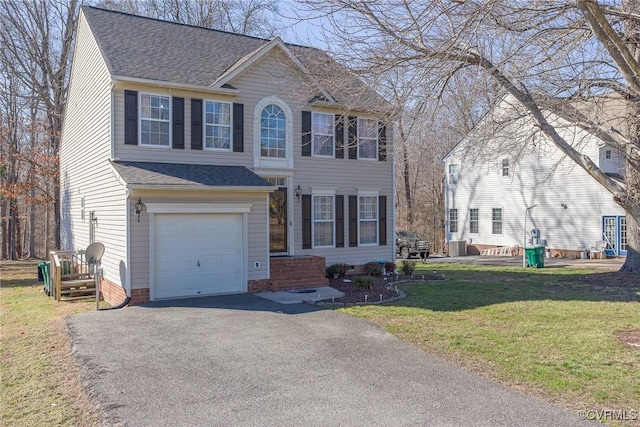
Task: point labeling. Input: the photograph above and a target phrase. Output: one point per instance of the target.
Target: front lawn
(549, 332)
(40, 378)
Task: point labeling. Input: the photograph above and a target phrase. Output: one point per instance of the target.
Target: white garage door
(197, 254)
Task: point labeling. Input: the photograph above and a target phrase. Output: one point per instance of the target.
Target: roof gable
(140, 48)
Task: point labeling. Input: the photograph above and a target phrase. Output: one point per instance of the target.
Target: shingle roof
(146, 48)
(163, 174)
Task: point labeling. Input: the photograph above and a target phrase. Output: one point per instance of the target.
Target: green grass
(542, 331)
(40, 382)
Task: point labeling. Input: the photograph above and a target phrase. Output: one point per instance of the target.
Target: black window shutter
(131, 117)
(306, 133)
(353, 221)
(196, 124)
(306, 221)
(339, 120)
(238, 128)
(339, 221)
(178, 123)
(353, 137)
(382, 141)
(382, 220)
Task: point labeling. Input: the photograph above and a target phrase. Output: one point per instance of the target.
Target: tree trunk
(407, 187)
(632, 262)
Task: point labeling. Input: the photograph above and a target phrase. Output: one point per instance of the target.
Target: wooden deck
(71, 277)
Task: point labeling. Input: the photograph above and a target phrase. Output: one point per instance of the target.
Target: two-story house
(506, 174)
(209, 162)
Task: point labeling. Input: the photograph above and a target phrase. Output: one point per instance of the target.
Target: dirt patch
(630, 338)
(612, 279)
(383, 289)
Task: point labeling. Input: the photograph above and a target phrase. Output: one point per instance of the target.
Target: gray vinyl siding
(276, 75)
(531, 181)
(84, 160)
(256, 233)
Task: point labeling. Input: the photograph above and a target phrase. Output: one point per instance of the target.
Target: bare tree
(251, 17)
(547, 54)
(37, 40)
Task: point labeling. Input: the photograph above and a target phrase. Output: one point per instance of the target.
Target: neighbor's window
(322, 130)
(272, 132)
(217, 119)
(323, 221)
(453, 220)
(453, 174)
(473, 221)
(368, 220)
(367, 138)
(154, 120)
(496, 220)
(607, 154)
(505, 167)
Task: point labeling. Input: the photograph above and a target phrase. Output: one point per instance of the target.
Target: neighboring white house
(209, 162)
(506, 172)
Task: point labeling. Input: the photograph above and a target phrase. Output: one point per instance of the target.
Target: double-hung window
(496, 221)
(453, 220)
(473, 221)
(323, 221)
(217, 121)
(155, 117)
(368, 220)
(505, 167)
(367, 139)
(323, 134)
(453, 174)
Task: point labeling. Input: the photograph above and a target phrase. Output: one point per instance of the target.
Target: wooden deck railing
(66, 265)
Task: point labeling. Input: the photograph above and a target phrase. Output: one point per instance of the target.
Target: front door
(278, 222)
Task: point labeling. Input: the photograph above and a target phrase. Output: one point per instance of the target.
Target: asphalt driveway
(242, 360)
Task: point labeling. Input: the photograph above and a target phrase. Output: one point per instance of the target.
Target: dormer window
(154, 120)
(607, 154)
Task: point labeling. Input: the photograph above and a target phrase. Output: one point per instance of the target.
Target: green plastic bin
(535, 256)
(44, 267)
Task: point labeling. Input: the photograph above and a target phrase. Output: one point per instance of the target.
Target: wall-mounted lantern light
(139, 208)
(298, 193)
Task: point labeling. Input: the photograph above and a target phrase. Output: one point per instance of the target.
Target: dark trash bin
(44, 267)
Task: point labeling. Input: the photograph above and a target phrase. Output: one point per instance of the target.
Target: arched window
(273, 132)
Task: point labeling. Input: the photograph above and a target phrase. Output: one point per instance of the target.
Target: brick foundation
(139, 296)
(254, 286)
(115, 295)
(111, 293)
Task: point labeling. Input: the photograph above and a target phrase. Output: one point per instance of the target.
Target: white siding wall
(275, 75)
(258, 244)
(532, 180)
(84, 160)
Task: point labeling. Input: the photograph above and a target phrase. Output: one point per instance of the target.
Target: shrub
(339, 268)
(407, 267)
(363, 282)
(390, 267)
(373, 269)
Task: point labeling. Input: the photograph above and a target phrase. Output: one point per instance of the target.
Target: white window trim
(204, 127)
(449, 174)
(140, 119)
(477, 221)
(375, 194)
(333, 136)
(501, 222)
(358, 127)
(332, 194)
(270, 162)
(457, 220)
